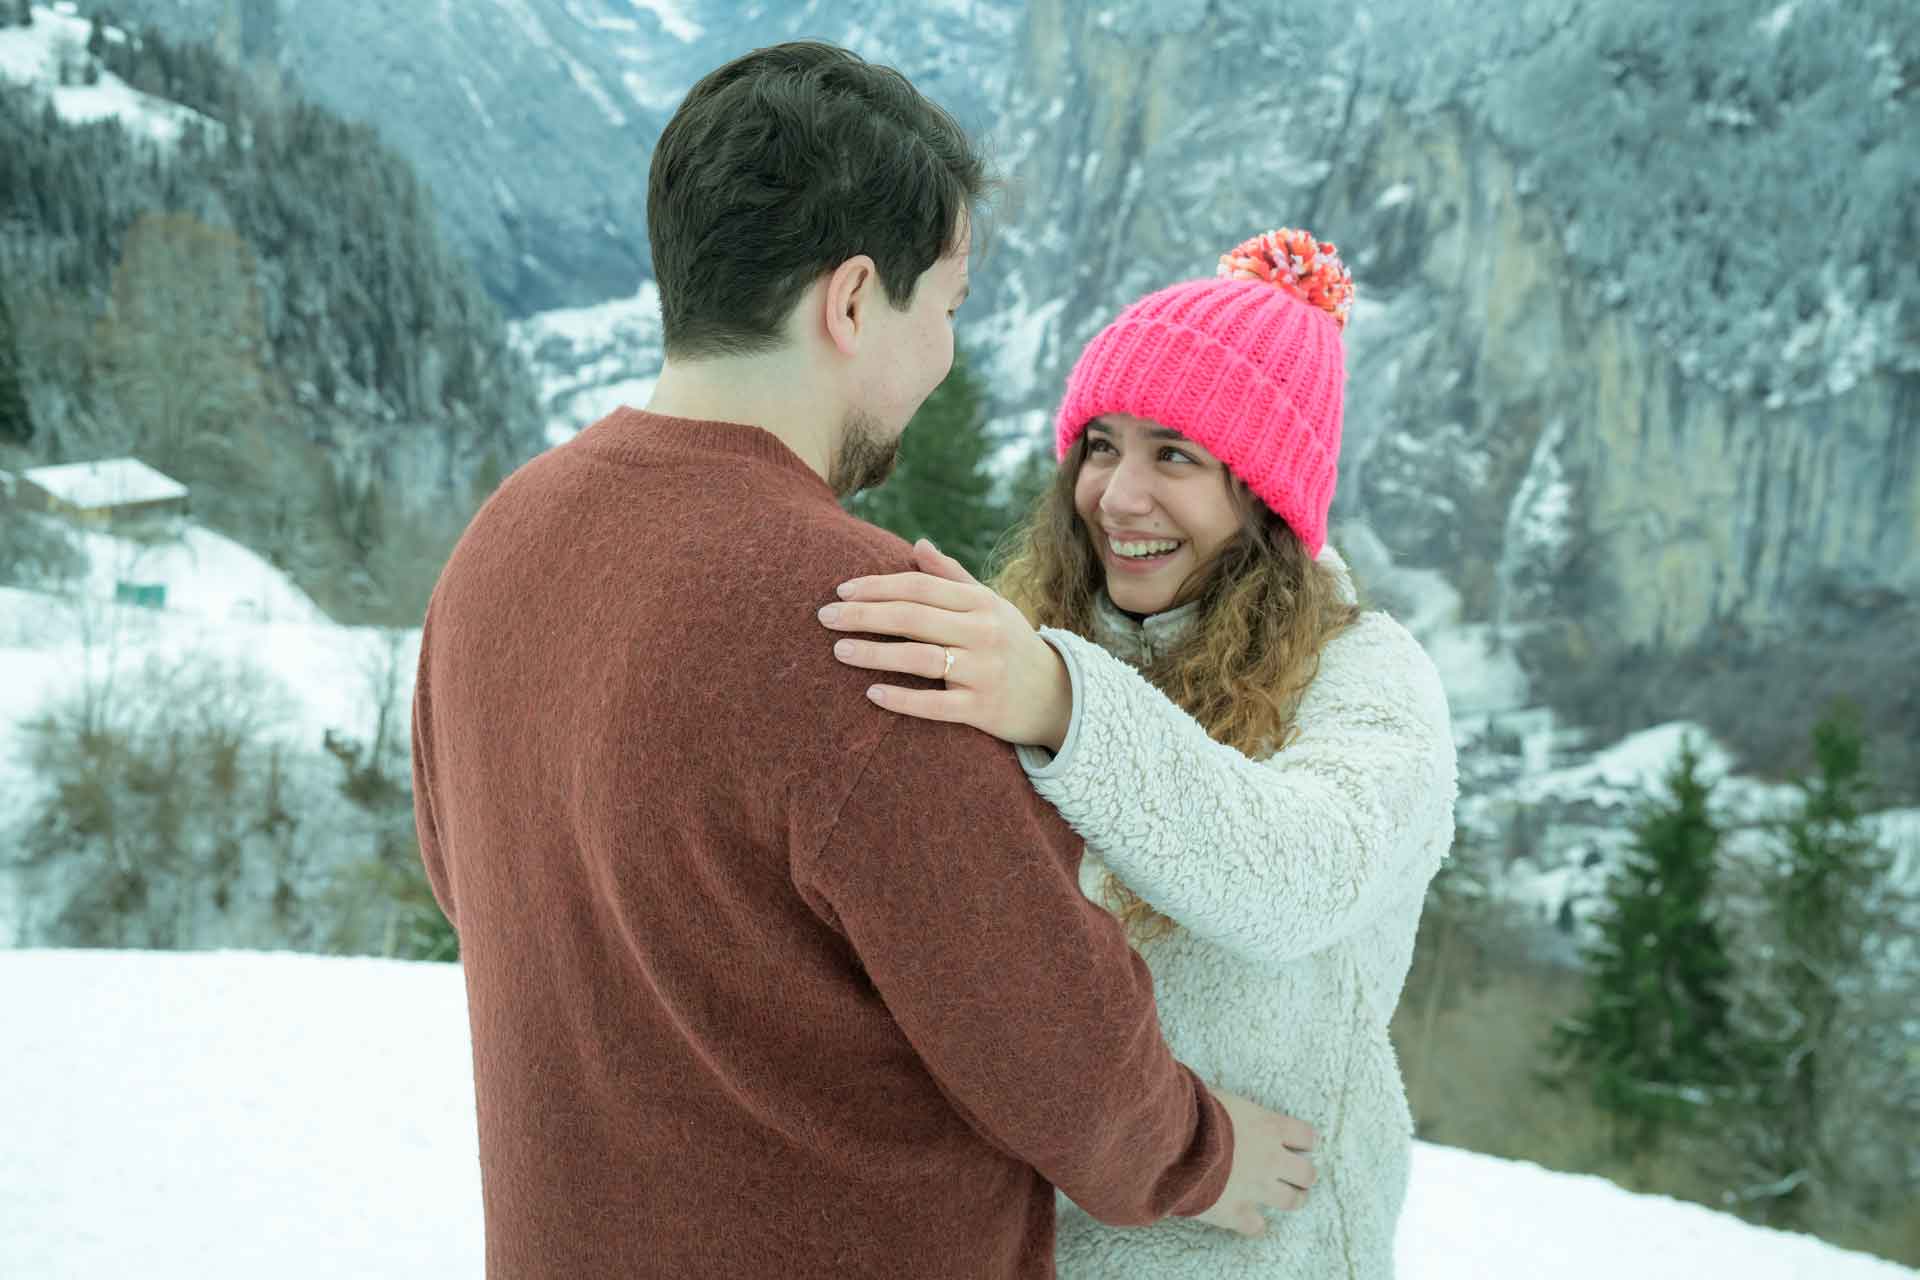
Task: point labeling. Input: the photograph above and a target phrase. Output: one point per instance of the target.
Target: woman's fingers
(936, 561)
(926, 704)
(917, 587)
(1297, 1172)
(899, 618)
(927, 660)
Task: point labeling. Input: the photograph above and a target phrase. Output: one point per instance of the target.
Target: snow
(649, 93)
(206, 575)
(33, 55)
(586, 407)
(538, 37)
(1776, 22)
(589, 359)
(529, 23)
(1900, 830)
(105, 483)
(1634, 766)
(224, 604)
(1480, 672)
(599, 324)
(479, 107)
(237, 1114)
(1394, 196)
(589, 84)
(222, 601)
(673, 19)
(1585, 811)
(1017, 358)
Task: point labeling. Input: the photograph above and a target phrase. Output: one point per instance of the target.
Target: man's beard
(865, 456)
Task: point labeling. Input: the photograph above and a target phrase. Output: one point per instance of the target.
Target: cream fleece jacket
(1297, 882)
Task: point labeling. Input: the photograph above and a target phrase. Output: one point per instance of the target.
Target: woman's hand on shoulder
(1000, 676)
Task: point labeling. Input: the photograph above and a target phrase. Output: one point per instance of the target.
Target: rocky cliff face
(1554, 452)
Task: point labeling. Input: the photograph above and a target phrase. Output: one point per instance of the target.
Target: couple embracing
(825, 912)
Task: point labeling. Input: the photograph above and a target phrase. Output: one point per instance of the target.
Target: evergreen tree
(16, 422)
(942, 488)
(1030, 481)
(97, 37)
(1653, 1038)
(1813, 1007)
(23, 13)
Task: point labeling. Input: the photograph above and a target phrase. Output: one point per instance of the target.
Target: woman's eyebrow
(1158, 433)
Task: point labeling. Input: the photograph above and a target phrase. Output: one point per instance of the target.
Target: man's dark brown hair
(780, 166)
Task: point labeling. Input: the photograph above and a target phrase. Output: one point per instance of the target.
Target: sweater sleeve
(957, 887)
(1276, 858)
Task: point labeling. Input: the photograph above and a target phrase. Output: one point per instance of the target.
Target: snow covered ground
(57, 38)
(222, 601)
(237, 1114)
(224, 605)
(591, 360)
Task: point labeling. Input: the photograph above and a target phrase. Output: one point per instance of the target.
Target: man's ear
(852, 287)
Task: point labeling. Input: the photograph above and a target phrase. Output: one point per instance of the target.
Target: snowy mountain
(229, 1116)
(1605, 450)
(533, 120)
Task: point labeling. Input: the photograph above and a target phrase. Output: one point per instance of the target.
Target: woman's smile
(1139, 553)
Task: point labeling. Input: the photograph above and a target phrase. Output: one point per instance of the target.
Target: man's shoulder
(814, 544)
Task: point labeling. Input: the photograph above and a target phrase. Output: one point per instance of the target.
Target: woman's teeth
(1144, 550)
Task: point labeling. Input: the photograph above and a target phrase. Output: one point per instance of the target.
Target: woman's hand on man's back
(1271, 1169)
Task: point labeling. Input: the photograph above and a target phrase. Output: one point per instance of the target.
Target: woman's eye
(1097, 445)
(1175, 455)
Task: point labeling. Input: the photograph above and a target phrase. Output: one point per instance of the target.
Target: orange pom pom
(1293, 260)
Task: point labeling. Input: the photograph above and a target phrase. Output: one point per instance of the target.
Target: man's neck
(770, 392)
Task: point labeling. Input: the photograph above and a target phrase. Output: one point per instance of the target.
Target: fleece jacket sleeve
(1276, 858)
(957, 888)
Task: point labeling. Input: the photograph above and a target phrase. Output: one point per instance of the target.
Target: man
(764, 981)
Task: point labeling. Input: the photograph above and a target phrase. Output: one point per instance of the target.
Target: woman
(1263, 772)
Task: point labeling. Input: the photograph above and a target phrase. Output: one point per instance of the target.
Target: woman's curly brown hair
(1266, 611)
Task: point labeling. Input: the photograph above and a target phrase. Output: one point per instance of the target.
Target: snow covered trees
(1653, 1038)
(1823, 1005)
(1751, 995)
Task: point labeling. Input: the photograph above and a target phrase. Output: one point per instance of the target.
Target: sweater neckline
(635, 435)
(1141, 640)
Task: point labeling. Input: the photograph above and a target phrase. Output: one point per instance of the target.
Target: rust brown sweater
(763, 980)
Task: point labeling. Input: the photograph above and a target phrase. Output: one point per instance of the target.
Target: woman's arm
(1275, 858)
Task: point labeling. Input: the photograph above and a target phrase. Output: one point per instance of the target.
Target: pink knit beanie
(1249, 366)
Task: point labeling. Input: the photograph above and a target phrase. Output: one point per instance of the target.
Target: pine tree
(97, 37)
(942, 488)
(16, 421)
(24, 13)
(1812, 1008)
(1653, 1038)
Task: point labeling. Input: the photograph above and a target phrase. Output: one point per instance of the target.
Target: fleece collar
(1140, 642)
